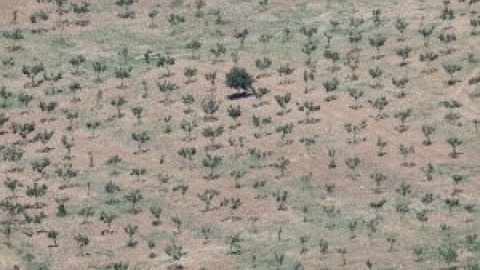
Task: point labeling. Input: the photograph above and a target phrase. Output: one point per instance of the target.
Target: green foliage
(218, 50)
(285, 129)
(330, 86)
(123, 73)
(207, 196)
(138, 112)
(377, 41)
(234, 112)
(332, 56)
(448, 253)
(32, 71)
(188, 126)
(234, 244)
(156, 211)
(174, 20)
(447, 12)
(77, 61)
(379, 103)
(82, 241)
(141, 138)
(211, 163)
(426, 32)
(210, 106)
(175, 252)
(119, 266)
(211, 77)
(355, 129)
(11, 153)
(190, 72)
(285, 70)
(38, 16)
(81, 8)
(98, 68)
(308, 107)
(353, 163)
(283, 100)
(281, 198)
(39, 165)
(451, 69)
(401, 25)
(167, 88)
(15, 34)
(118, 102)
(131, 231)
(212, 133)
(428, 131)
(239, 79)
(86, 212)
(308, 49)
(454, 143)
(166, 61)
(241, 36)
(260, 93)
(404, 53)
(134, 197)
(126, 5)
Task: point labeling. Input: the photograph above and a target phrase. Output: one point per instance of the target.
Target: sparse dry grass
(307, 176)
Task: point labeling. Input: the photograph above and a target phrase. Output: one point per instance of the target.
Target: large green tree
(239, 79)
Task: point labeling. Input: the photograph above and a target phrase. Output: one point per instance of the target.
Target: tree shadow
(239, 95)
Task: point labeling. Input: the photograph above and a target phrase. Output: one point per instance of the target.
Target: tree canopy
(239, 79)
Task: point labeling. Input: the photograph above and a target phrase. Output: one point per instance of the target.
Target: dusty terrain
(305, 200)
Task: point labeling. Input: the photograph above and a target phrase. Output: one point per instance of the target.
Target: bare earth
(291, 209)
